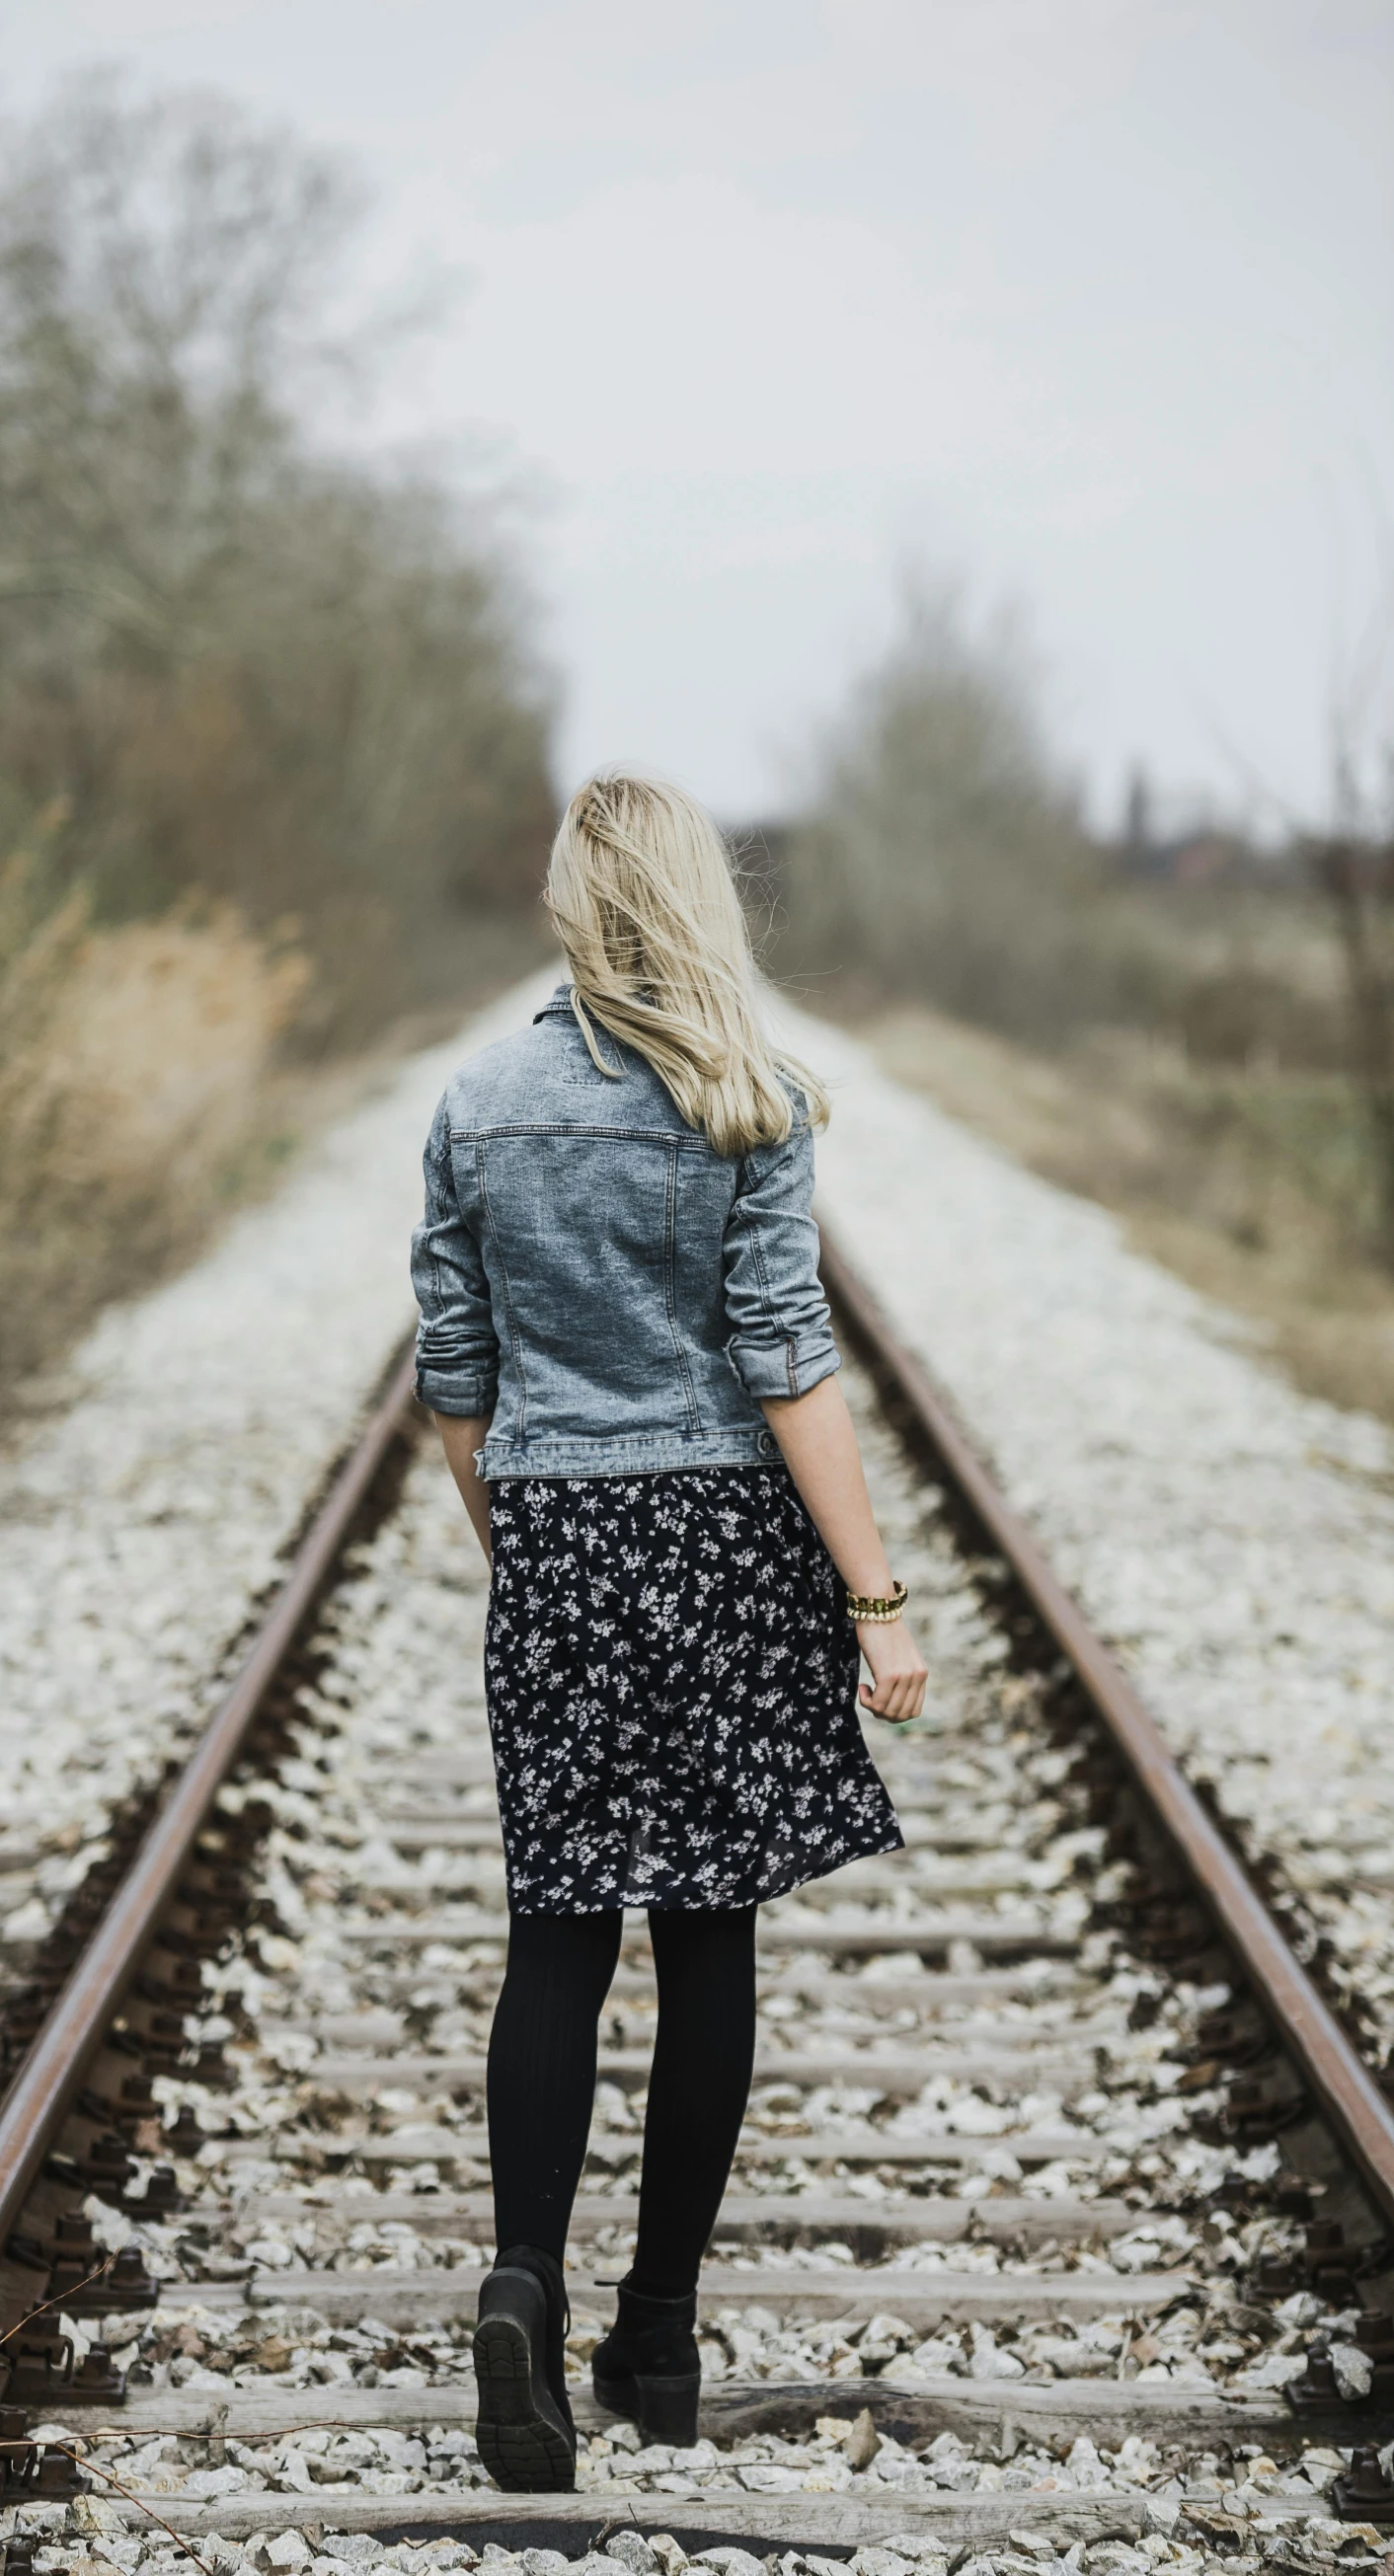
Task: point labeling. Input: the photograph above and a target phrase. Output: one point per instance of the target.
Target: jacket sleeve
(781, 1340)
(457, 1350)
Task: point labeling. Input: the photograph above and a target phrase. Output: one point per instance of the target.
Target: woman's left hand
(898, 1675)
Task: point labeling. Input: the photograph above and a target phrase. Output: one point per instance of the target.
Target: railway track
(1057, 2167)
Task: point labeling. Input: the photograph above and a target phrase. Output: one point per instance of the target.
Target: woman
(628, 1353)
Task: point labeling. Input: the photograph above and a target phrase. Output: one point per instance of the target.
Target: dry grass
(144, 1095)
(136, 1101)
(1248, 1183)
(150, 1058)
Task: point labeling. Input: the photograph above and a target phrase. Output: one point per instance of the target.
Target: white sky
(1085, 301)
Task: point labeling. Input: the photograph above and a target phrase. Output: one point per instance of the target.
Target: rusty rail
(1348, 2094)
(53, 2069)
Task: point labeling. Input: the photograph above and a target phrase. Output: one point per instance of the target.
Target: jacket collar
(559, 1007)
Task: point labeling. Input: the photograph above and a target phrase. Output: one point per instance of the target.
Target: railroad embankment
(1232, 1539)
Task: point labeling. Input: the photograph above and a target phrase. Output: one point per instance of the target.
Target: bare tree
(251, 669)
(943, 853)
(162, 265)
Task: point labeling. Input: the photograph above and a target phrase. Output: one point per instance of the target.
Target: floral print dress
(671, 1678)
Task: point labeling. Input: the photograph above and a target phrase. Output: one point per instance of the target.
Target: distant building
(1197, 852)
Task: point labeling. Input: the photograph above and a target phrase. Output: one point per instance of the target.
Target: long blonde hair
(640, 890)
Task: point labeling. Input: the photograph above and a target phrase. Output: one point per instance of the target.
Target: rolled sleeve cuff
(463, 1391)
(787, 1367)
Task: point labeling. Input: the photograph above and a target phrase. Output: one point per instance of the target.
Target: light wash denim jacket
(590, 1272)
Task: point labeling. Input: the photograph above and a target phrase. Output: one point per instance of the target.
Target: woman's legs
(698, 2090)
(541, 2092)
(542, 2053)
(648, 2366)
(541, 2085)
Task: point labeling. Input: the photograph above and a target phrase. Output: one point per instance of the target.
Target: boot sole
(521, 2442)
(665, 2410)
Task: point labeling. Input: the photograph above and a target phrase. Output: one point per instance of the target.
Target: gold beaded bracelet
(879, 1608)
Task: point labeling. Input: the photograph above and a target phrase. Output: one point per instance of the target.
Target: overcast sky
(1084, 302)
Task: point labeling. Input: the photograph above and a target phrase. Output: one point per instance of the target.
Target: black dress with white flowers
(671, 1679)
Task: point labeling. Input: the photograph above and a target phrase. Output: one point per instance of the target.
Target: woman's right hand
(898, 1676)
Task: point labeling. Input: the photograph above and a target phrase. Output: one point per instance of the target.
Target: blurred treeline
(1213, 1053)
(272, 738)
(943, 855)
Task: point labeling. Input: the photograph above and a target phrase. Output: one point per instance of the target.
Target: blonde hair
(641, 892)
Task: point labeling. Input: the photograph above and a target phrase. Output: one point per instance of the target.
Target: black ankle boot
(527, 2440)
(647, 2367)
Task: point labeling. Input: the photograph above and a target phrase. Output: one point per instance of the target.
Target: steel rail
(1344, 2087)
(53, 2069)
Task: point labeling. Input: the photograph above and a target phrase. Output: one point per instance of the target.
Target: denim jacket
(591, 1273)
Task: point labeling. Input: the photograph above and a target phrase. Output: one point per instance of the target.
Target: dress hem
(785, 1885)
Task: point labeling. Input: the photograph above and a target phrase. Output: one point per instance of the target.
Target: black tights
(542, 2054)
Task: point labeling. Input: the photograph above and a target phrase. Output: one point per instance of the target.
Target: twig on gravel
(109, 2475)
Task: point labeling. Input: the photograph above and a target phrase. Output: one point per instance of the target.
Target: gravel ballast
(290, 2281)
